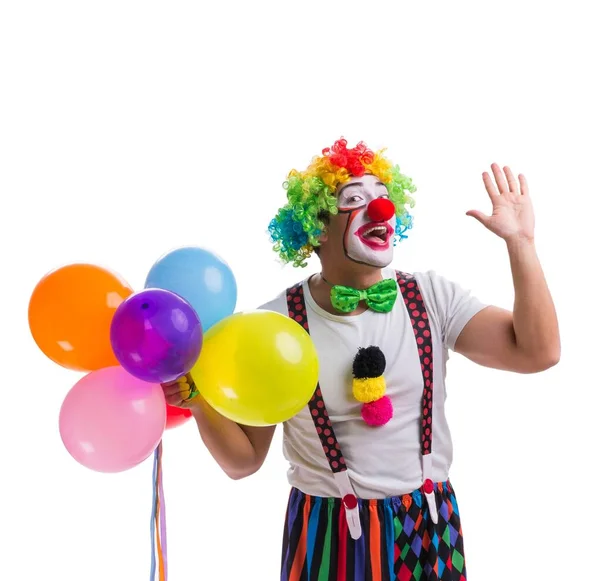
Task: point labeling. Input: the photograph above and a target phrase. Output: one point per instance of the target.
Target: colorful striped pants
(399, 540)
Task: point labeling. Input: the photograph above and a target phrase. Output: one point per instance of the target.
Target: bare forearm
(227, 442)
(534, 315)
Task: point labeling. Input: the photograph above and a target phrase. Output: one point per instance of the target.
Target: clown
(370, 456)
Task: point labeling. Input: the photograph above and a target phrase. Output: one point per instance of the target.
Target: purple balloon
(156, 335)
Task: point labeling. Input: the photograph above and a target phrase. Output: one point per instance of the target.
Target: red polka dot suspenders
(420, 323)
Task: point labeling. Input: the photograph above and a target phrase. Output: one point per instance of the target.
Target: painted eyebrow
(358, 184)
(349, 186)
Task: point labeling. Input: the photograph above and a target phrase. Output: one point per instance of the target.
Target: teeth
(376, 230)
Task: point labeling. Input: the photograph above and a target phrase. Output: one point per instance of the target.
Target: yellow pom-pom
(368, 389)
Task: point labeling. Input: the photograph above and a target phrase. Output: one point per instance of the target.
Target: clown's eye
(354, 199)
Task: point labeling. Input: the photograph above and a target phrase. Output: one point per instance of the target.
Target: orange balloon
(70, 312)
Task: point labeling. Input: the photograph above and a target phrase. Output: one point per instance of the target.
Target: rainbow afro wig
(311, 197)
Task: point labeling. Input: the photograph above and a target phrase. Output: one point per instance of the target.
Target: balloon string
(163, 519)
(161, 565)
(153, 518)
(158, 518)
(158, 526)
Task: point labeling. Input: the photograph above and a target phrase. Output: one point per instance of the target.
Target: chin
(373, 259)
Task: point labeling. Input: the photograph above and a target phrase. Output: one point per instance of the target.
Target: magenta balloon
(111, 421)
(156, 335)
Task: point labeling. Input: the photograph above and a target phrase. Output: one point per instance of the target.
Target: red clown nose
(381, 210)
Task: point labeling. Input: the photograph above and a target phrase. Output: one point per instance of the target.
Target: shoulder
(433, 283)
(440, 289)
(449, 302)
(278, 303)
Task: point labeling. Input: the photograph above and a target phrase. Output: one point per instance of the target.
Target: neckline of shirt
(310, 302)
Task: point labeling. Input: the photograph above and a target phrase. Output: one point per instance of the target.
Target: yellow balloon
(257, 368)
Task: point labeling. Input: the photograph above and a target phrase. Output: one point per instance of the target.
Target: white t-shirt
(386, 460)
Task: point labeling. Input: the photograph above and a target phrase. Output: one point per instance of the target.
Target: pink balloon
(111, 421)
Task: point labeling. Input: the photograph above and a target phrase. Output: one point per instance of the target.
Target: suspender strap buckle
(428, 488)
(350, 503)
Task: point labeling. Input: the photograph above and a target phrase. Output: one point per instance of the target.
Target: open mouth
(376, 235)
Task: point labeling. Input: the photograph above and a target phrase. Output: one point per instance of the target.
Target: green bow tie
(380, 297)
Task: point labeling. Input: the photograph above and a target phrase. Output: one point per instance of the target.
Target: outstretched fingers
(500, 179)
(524, 185)
(490, 187)
(513, 186)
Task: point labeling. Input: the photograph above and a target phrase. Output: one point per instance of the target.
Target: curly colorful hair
(311, 197)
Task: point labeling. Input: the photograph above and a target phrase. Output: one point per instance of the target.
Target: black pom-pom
(369, 362)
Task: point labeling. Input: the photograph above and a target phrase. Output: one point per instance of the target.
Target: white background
(130, 128)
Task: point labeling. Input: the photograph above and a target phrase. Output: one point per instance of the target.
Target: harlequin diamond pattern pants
(399, 540)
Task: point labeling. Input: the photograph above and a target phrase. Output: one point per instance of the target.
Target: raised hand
(512, 211)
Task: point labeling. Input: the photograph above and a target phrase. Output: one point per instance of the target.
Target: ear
(323, 236)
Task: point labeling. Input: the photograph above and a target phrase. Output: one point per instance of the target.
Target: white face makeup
(366, 240)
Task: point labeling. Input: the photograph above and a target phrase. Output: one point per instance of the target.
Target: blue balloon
(199, 276)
